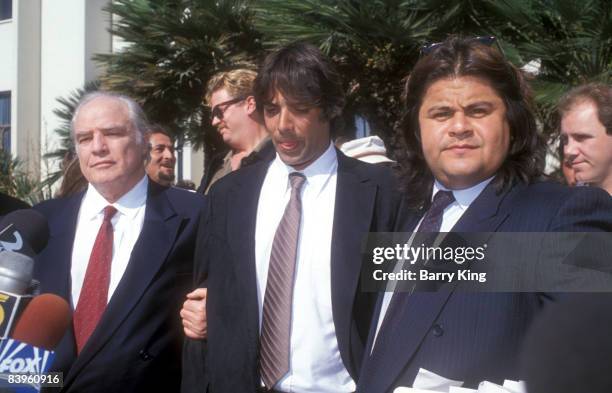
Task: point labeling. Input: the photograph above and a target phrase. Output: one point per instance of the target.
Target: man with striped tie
(280, 248)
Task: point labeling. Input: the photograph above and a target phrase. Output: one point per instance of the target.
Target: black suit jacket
(366, 201)
(473, 337)
(136, 346)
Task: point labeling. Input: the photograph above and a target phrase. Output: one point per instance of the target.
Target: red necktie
(94, 293)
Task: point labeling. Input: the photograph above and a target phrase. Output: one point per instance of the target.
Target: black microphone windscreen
(30, 225)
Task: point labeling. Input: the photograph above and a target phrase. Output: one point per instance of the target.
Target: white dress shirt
(315, 364)
(450, 217)
(127, 224)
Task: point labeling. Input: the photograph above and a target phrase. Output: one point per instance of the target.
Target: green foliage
(373, 43)
(572, 39)
(376, 43)
(173, 48)
(15, 181)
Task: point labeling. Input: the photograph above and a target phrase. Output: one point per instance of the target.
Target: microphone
(15, 282)
(30, 348)
(25, 231)
(43, 322)
(23, 234)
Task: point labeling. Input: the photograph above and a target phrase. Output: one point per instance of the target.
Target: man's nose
(460, 126)
(570, 150)
(285, 120)
(168, 154)
(98, 143)
(215, 121)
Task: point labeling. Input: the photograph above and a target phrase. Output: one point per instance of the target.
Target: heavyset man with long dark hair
(472, 161)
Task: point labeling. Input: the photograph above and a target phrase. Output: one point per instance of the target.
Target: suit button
(437, 330)
(144, 355)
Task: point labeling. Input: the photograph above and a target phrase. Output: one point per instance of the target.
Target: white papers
(430, 382)
(515, 386)
(426, 379)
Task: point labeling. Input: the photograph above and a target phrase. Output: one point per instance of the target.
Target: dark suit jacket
(225, 256)
(476, 336)
(137, 344)
(8, 204)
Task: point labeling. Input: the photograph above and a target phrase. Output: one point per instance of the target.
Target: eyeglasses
(218, 112)
(484, 40)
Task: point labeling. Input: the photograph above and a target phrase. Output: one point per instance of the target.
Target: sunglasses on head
(219, 109)
(483, 40)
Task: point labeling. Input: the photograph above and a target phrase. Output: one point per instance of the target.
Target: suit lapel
(241, 221)
(60, 249)
(380, 370)
(355, 200)
(159, 230)
(58, 281)
(487, 212)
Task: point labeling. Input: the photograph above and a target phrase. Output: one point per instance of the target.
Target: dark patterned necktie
(432, 222)
(276, 320)
(94, 293)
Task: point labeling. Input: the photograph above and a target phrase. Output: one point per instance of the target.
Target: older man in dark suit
(280, 249)
(121, 253)
(473, 146)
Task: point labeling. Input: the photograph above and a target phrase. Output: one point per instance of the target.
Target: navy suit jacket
(136, 346)
(473, 337)
(366, 201)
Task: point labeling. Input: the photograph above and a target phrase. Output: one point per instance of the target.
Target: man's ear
(251, 105)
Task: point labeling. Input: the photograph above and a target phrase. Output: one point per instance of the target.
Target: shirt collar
(128, 205)
(317, 173)
(463, 197)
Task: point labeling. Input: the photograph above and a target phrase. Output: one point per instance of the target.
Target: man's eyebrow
(438, 107)
(113, 128)
(479, 103)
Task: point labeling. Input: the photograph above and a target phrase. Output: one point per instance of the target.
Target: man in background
(160, 166)
(234, 114)
(586, 133)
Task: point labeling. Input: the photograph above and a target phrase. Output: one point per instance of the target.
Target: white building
(46, 48)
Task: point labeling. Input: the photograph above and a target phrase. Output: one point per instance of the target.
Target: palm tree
(15, 181)
(172, 48)
(373, 43)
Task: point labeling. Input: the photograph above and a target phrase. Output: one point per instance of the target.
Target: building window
(5, 120)
(6, 9)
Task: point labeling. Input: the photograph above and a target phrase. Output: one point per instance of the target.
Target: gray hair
(135, 112)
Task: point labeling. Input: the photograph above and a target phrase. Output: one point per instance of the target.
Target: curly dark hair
(458, 57)
(302, 74)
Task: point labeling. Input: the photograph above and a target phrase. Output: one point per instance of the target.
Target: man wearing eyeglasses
(230, 96)
(474, 150)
